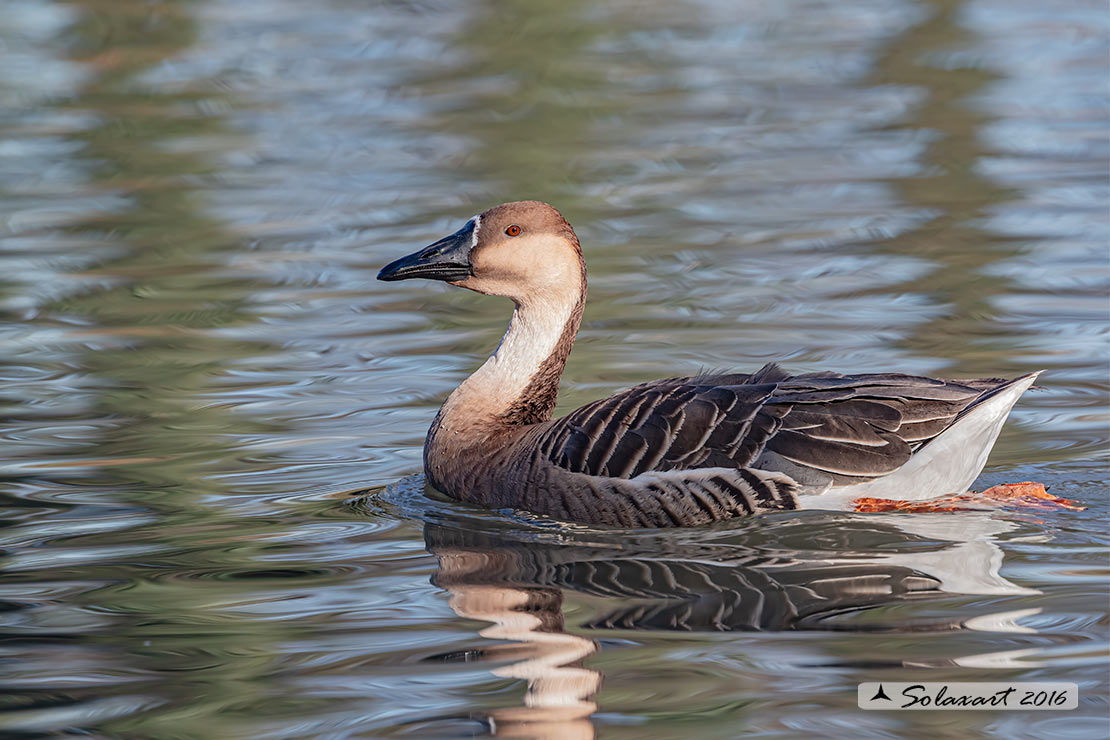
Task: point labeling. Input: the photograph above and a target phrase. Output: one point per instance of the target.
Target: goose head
(524, 250)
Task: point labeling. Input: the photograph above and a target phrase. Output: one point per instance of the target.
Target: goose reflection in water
(559, 699)
(812, 574)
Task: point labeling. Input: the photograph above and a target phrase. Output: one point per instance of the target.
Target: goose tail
(947, 464)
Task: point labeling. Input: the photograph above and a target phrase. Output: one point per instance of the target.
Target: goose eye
(513, 230)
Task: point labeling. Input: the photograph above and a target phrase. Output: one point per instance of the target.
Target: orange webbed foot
(1027, 495)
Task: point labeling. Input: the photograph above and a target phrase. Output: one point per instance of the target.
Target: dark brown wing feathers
(849, 426)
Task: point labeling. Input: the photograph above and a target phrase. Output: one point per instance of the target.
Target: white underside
(947, 465)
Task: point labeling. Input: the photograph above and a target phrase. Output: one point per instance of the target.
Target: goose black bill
(447, 259)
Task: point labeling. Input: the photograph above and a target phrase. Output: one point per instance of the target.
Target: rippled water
(214, 525)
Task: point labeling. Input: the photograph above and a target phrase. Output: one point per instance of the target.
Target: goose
(679, 451)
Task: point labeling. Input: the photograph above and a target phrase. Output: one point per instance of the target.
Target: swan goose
(679, 451)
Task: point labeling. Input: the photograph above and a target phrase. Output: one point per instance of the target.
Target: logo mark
(880, 694)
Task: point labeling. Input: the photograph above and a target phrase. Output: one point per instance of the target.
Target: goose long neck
(519, 383)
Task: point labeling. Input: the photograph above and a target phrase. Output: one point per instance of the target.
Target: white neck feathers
(532, 337)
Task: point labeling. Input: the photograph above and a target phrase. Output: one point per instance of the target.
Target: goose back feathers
(834, 429)
(680, 451)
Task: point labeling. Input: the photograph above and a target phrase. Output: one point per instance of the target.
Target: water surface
(199, 374)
